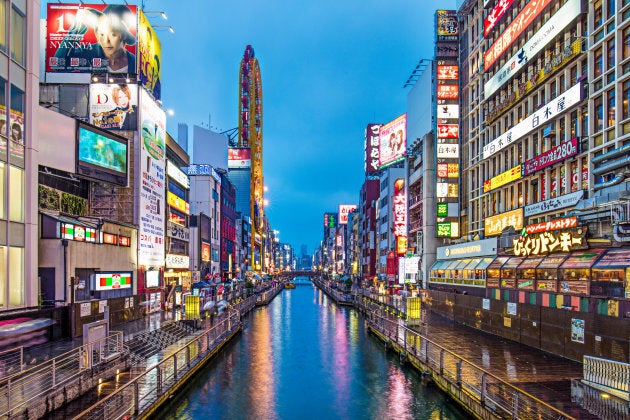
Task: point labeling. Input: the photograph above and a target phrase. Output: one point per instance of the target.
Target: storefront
(610, 274)
(574, 274)
(463, 264)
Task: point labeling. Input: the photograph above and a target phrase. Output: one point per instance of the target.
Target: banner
(114, 106)
(150, 53)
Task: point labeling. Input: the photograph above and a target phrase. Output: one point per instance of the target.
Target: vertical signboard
(372, 148)
(399, 211)
(344, 212)
(150, 53)
(152, 202)
(447, 126)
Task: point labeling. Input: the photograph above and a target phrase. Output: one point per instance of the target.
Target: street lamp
(163, 14)
(170, 28)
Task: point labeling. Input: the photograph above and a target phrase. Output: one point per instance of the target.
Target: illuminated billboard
(503, 178)
(551, 157)
(344, 212)
(114, 106)
(372, 148)
(239, 157)
(112, 280)
(447, 111)
(494, 225)
(152, 166)
(497, 12)
(399, 218)
(446, 25)
(150, 57)
(513, 31)
(330, 220)
(447, 91)
(76, 41)
(101, 156)
(393, 141)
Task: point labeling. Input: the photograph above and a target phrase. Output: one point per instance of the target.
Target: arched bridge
(290, 275)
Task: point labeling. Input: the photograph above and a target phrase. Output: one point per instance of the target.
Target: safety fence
(19, 390)
(493, 395)
(140, 394)
(608, 375)
(11, 362)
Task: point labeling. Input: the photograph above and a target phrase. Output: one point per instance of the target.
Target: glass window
(597, 70)
(626, 43)
(611, 55)
(3, 277)
(597, 15)
(16, 278)
(599, 113)
(626, 100)
(3, 180)
(610, 9)
(611, 107)
(16, 194)
(17, 36)
(3, 25)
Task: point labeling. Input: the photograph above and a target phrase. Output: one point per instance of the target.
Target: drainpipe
(64, 243)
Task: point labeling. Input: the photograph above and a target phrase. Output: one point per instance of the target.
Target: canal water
(304, 357)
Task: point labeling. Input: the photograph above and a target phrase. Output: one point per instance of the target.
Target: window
(17, 36)
(584, 125)
(597, 14)
(611, 107)
(16, 194)
(3, 180)
(599, 113)
(625, 100)
(574, 124)
(3, 25)
(610, 64)
(16, 278)
(597, 70)
(610, 8)
(626, 43)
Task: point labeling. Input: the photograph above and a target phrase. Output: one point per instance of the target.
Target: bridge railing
(496, 395)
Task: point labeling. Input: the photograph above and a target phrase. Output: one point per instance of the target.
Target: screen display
(101, 155)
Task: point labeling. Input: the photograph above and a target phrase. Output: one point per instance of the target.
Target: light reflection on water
(303, 357)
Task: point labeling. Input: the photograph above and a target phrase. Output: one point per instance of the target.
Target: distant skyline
(328, 69)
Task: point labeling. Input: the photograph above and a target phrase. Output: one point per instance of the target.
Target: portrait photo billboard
(76, 41)
(114, 106)
(393, 141)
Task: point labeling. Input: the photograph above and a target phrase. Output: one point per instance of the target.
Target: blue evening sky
(329, 67)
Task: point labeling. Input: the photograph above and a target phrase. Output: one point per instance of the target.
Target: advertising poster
(239, 157)
(114, 106)
(152, 192)
(76, 41)
(15, 134)
(393, 141)
(150, 53)
(577, 330)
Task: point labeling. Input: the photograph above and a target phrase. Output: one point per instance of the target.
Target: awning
(461, 264)
(614, 258)
(472, 264)
(451, 265)
(498, 262)
(553, 261)
(485, 263)
(513, 262)
(439, 264)
(531, 262)
(582, 259)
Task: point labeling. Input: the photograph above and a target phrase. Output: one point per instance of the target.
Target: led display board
(546, 113)
(71, 37)
(392, 141)
(101, 156)
(513, 31)
(112, 280)
(494, 225)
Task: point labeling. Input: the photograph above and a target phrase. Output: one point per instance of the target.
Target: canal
(302, 356)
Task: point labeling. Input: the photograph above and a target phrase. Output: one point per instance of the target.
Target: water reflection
(304, 357)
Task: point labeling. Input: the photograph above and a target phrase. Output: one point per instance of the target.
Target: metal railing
(139, 394)
(19, 390)
(496, 395)
(608, 375)
(11, 361)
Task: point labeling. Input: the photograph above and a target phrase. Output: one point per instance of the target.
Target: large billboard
(152, 207)
(497, 12)
(372, 148)
(399, 216)
(114, 106)
(446, 24)
(393, 141)
(239, 157)
(150, 57)
(91, 38)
